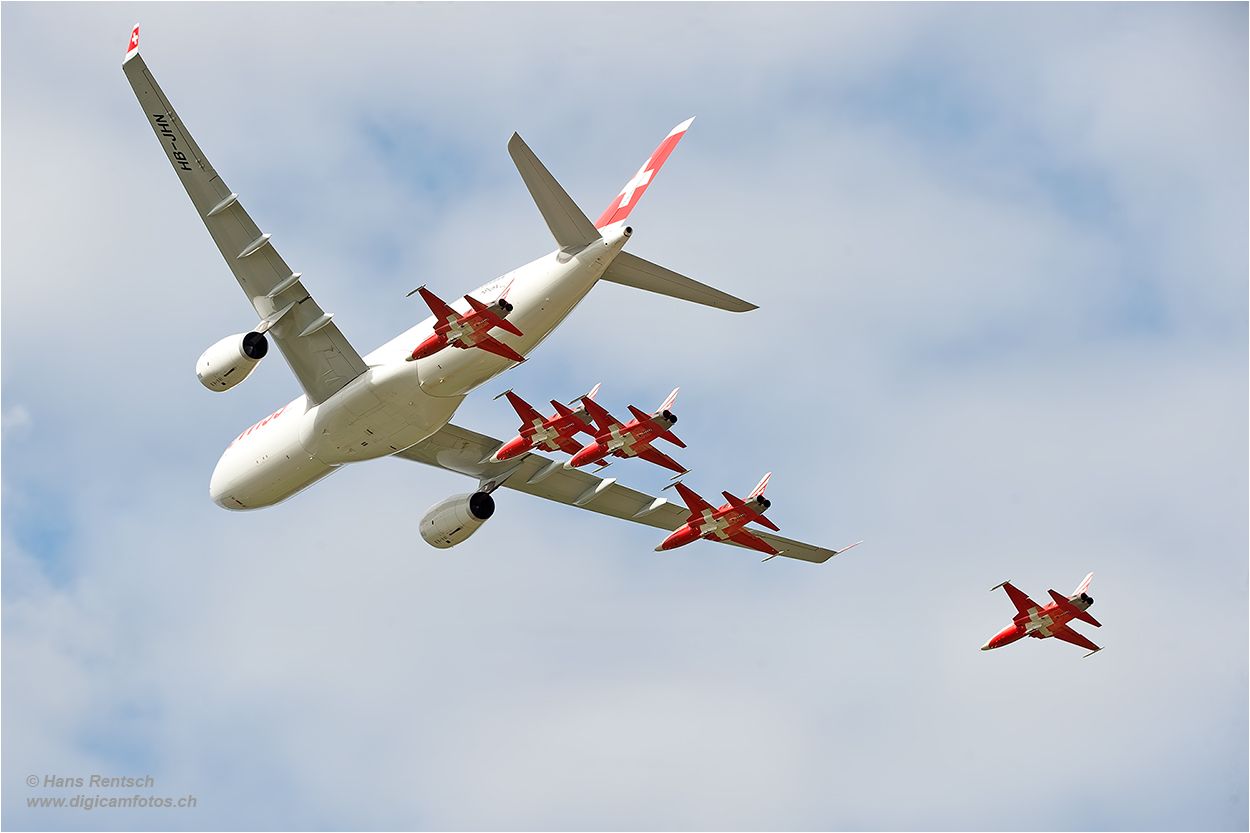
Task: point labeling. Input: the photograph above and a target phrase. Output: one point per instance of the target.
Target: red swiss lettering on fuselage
(262, 423)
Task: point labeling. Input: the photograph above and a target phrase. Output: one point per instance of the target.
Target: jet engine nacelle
(453, 520)
(665, 416)
(231, 360)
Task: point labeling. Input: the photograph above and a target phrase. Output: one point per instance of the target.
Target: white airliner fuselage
(397, 403)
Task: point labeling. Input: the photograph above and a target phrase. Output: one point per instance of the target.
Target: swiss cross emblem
(640, 180)
(134, 39)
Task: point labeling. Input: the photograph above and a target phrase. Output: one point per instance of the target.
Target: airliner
(399, 400)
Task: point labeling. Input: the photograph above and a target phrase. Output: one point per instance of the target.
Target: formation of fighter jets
(608, 435)
(554, 433)
(399, 399)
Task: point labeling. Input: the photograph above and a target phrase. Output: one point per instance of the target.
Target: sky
(1000, 254)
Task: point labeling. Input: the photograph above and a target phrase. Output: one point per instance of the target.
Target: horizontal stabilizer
(571, 228)
(1066, 604)
(630, 270)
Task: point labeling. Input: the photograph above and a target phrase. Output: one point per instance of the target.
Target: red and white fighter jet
(468, 329)
(1043, 622)
(554, 433)
(728, 523)
(631, 439)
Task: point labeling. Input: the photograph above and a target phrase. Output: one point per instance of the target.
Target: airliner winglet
(134, 44)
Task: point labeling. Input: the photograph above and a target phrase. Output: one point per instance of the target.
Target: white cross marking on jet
(623, 442)
(1037, 622)
(640, 180)
(712, 525)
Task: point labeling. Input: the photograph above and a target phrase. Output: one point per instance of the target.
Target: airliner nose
(220, 492)
(218, 486)
(987, 646)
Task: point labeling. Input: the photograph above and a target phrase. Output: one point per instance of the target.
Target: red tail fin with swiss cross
(628, 198)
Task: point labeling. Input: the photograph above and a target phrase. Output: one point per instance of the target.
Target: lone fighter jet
(1041, 622)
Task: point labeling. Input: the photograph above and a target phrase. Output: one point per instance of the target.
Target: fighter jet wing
(659, 458)
(568, 446)
(445, 315)
(493, 345)
(1020, 599)
(748, 539)
(1068, 635)
(466, 452)
(694, 502)
(523, 409)
(320, 357)
(602, 419)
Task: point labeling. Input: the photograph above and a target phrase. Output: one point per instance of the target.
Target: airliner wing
(463, 451)
(320, 357)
